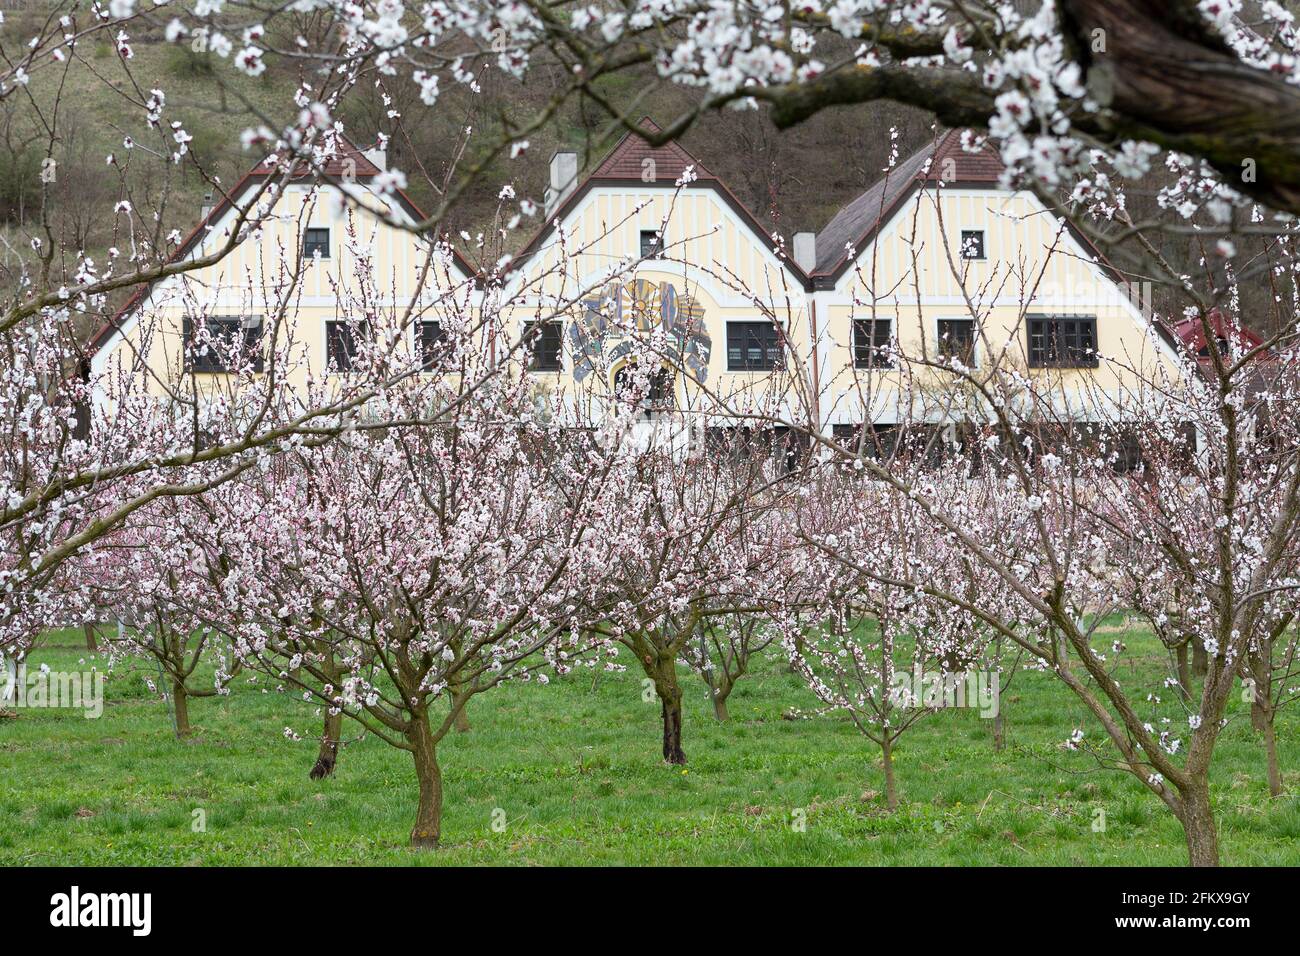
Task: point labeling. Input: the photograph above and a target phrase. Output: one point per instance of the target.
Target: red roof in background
(627, 159)
(1191, 332)
(1265, 371)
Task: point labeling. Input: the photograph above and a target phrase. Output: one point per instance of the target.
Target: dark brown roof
(627, 159)
(944, 159)
(336, 165)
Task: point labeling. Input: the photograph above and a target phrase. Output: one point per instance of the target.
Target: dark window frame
(338, 348)
(656, 247)
(544, 355)
(316, 238)
(212, 360)
(754, 346)
(944, 341)
(872, 354)
(431, 337)
(972, 245)
(1061, 341)
(881, 441)
(779, 444)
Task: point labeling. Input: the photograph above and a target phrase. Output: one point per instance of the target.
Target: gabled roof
(345, 159)
(625, 165)
(942, 160)
(627, 159)
(349, 160)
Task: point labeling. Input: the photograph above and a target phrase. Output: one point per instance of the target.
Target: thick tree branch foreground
(1162, 76)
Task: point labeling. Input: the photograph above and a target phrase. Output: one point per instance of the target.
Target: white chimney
(564, 177)
(805, 251)
(205, 209)
(378, 156)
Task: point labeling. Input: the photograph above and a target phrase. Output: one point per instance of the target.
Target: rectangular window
(878, 443)
(753, 347)
(543, 345)
(1062, 341)
(224, 332)
(870, 343)
(957, 340)
(341, 340)
(433, 344)
(651, 244)
(972, 243)
(316, 241)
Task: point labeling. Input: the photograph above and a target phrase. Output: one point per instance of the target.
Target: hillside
(793, 181)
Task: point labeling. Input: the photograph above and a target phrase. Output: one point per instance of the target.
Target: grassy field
(574, 771)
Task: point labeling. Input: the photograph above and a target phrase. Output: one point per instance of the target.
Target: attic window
(316, 241)
(972, 243)
(651, 245)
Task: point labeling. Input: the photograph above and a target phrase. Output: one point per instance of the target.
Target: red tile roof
(982, 166)
(1192, 332)
(346, 159)
(628, 159)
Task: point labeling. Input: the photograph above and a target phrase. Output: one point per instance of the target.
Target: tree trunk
(720, 695)
(663, 672)
(1167, 76)
(1261, 717)
(181, 708)
(1198, 825)
(891, 787)
(1200, 659)
(1263, 712)
(800, 647)
(1184, 675)
(1270, 751)
(428, 816)
(670, 697)
(329, 746)
(461, 722)
(92, 644)
(999, 732)
(672, 717)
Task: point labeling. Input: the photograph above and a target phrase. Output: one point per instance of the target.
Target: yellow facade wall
(372, 269)
(914, 275)
(911, 274)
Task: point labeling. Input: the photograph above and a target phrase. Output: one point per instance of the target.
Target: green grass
(576, 771)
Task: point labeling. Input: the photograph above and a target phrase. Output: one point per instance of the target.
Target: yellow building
(650, 265)
(317, 259)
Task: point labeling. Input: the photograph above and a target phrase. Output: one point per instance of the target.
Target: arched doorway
(653, 396)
